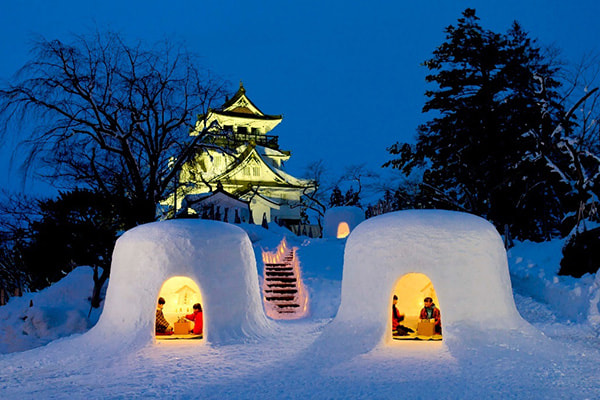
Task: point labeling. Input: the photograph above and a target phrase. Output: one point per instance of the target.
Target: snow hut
(460, 254)
(215, 256)
(340, 221)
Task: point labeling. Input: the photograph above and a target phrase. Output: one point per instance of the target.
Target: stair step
(280, 298)
(276, 264)
(279, 273)
(287, 267)
(286, 311)
(281, 280)
(290, 305)
(281, 285)
(281, 291)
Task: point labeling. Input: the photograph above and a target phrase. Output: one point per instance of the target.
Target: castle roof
(277, 176)
(242, 107)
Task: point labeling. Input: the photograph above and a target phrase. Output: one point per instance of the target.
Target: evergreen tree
(78, 228)
(337, 198)
(352, 198)
(478, 152)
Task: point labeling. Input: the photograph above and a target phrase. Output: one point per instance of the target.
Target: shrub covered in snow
(57, 311)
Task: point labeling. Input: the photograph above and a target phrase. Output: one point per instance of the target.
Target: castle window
(228, 128)
(255, 131)
(256, 170)
(242, 130)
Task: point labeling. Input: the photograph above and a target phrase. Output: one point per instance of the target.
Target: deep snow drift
(300, 359)
(39, 318)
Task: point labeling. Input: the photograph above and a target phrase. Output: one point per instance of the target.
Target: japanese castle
(237, 174)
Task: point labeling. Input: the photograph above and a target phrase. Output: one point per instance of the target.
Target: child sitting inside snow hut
(397, 328)
(162, 325)
(430, 311)
(197, 318)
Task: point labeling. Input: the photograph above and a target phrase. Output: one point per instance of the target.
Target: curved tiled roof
(247, 115)
(242, 111)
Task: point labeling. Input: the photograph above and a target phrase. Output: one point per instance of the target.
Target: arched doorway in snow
(343, 230)
(411, 290)
(180, 294)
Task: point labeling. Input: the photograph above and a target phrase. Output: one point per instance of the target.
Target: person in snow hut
(397, 328)
(162, 325)
(430, 311)
(197, 318)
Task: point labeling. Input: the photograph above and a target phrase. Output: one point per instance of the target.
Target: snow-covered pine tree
(477, 150)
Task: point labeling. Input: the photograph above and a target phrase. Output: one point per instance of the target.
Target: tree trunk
(98, 284)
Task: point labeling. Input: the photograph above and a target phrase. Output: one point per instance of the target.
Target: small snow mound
(57, 311)
(462, 255)
(217, 256)
(338, 219)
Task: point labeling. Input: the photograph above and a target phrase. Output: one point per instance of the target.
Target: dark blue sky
(345, 75)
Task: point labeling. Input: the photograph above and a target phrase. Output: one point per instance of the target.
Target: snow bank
(57, 311)
(534, 272)
(217, 256)
(461, 254)
(351, 216)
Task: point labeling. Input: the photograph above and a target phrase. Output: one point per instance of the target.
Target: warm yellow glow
(180, 294)
(343, 230)
(411, 289)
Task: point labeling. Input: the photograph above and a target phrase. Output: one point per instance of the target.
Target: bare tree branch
(110, 113)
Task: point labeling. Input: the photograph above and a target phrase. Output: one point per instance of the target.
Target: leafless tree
(17, 212)
(113, 116)
(314, 195)
(361, 176)
(577, 138)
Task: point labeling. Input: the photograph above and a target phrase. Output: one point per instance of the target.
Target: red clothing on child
(198, 324)
(396, 317)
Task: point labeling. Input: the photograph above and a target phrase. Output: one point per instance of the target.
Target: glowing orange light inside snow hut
(411, 289)
(343, 230)
(180, 294)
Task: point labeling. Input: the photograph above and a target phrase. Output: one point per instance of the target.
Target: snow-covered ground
(557, 359)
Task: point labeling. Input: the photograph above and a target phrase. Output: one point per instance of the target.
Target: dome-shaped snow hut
(215, 256)
(340, 221)
(459, 254)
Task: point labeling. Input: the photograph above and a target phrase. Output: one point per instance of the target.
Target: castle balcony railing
(231, 139)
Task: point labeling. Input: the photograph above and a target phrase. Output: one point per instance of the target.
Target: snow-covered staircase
(284, 294)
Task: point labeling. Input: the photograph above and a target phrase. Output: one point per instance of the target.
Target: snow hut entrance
(343, 230)
(409, 321)
(179, 305)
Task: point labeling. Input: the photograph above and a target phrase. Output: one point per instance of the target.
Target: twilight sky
(345, 75)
